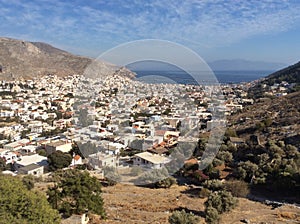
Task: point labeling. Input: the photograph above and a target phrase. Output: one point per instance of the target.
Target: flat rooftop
(36, 159)
(153, 158)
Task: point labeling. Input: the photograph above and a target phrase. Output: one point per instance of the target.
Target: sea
(222, 77)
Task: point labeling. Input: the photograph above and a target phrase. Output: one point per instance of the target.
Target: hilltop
(290, 74)
(20, 58)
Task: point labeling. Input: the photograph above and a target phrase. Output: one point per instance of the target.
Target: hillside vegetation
(271, 119)
(290, 75)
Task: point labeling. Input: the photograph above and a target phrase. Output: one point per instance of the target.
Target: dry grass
(128, 204)
(283, 215)
(132, 204)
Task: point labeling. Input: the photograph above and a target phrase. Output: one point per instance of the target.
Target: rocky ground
(280, 116)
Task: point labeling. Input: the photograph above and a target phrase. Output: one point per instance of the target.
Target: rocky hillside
(30, 59)
(277, 118)
(290, 74)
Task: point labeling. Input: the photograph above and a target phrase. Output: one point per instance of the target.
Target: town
(127, 123)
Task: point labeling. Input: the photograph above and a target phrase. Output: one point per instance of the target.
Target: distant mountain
(244, 65)
(20, 58)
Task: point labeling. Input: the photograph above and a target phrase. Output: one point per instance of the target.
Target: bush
(230, 133)
(42, 152)
(217, 162)
(58, 160)
(237, 188)
(222, 201)
(211, 215)
(182, 217)
(74, 192)
(111, 175)
(225, 156)
(260, 126)
(213, 185)
(246, 170)
(166, 183)
(2, 164)
(268, 122)
(28, 181)
(20, 205)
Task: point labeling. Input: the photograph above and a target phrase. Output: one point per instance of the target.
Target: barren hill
(30, 59)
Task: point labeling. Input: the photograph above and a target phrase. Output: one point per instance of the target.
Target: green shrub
(182, 217)
(58, 160)
(74, 192)
(166, 183)
(211, 215)
(213, 185)
(20, 205)
(222, 201)
(28, 181)
(230, 133)
(237, 188)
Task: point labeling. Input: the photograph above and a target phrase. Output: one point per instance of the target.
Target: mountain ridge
(19, 58)
(289, 74)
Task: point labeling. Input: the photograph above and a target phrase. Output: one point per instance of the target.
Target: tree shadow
(192, 192)
(195, 212)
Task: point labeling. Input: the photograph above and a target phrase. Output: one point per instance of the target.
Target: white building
(32, 169)
(32, 159)
(64, 146)
(100, 160)
(149, 160)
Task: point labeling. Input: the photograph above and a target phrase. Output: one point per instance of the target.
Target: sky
(260, 30)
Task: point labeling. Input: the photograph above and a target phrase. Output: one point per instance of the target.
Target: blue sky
(215, 29)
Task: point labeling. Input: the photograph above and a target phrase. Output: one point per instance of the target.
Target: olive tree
(20, 205)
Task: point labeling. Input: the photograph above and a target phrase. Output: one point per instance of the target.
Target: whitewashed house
(64, 146)
(31, 169)
(149, 160)
(100, 160)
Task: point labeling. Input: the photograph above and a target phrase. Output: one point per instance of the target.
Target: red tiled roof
(191, 161)
(77, 157)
